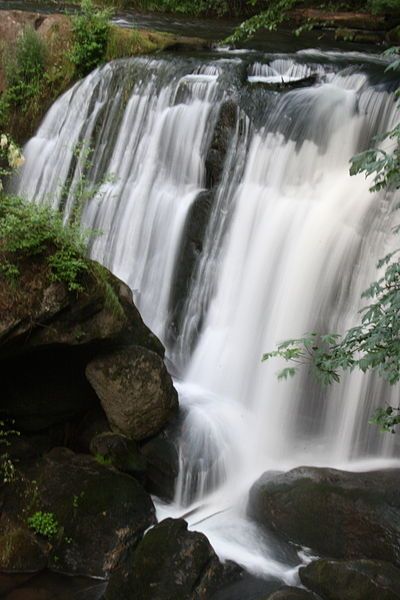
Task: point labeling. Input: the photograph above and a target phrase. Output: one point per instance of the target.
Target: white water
(290, 245)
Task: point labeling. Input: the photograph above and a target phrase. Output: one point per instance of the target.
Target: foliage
(7, 466)
(269, 19)
(374, 344)
(383, 165)
(44, 524)
(24, 64)
(27, 230)
(199, 7)
(91, 30)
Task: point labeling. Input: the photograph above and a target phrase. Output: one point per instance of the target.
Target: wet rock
(135, 390)
(292, 593)
(352, 580)
(99, 512)
(48, 335)
(162, 470)
(120, 452)
(20, 551)
(170, 562)
(44, 313)
(219, 146)
(336, 513)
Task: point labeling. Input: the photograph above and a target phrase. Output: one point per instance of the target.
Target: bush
(25, 66)
(91, 30)
(27, 230)
(44, 523)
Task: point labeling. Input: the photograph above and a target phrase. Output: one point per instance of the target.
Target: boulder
(169, 563)
(292, 593)
(336, 513)
(20, 551)
(49, 334)
(120, 452)
(98, 512)
(162, 460)
(352, 580)
(135, 390)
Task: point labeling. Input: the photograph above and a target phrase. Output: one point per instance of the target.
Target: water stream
(232, 246)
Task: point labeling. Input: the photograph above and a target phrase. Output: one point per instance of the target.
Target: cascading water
(288, 243)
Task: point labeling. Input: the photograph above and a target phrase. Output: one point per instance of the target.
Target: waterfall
(221, 187)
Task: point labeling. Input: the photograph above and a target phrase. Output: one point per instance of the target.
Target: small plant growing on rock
(7, 467)
(91, 30)
(44, 524)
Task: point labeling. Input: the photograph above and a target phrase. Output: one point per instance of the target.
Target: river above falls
(213, 30)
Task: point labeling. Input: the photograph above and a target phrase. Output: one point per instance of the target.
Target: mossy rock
(352, 580)
(120, 452)
(338, 514)
(21, 552)
(135, 390)
(170, 562)
(99, 512)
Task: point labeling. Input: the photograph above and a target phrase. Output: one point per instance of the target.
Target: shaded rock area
(62, 509)
(162, 464)
(352, 580)
(135, 390)
(170, 562)
(99, 512)
(335, 513)
(120, 452)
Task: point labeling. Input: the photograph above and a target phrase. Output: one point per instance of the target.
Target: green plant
(7, 465)
(27, 230)
(24, 65)
(91, 30)
(103, 460)
(44, 524)
(373, 344)
(268, 19)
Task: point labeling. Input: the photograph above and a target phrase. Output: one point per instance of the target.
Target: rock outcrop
(336, 513)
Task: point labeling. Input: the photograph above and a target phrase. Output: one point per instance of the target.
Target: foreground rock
(170, 562)
(135, 390)
(291, 593)
(353, 580)
(336, 513)
(98, 513)
(48, 335)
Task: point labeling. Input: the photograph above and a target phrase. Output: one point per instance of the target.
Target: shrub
(25, 66)
(91, 30)
(27, 230)
(44, 524)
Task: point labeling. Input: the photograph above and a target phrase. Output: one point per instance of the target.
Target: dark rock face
(162, 470)
(169, 563)
(352, 580)
(47, 337)
(120, 452)
(336, 513)
(135, 390)
(99, 512)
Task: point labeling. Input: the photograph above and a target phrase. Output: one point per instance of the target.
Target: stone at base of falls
(120, 452)
(292, 593)
(169, 563)
(135, 390)
(352, 580)
(99, 513)
(336, 513)
(162, 469)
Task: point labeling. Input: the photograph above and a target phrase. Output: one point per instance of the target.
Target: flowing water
(226, 204)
